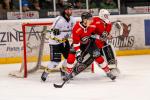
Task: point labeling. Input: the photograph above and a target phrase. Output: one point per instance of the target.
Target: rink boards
(131, 36)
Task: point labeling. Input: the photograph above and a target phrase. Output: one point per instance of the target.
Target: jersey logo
(78, 30)
(85, 40)
(93, 26)
(98, 22)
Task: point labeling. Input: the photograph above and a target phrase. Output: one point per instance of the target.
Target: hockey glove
(56, 31)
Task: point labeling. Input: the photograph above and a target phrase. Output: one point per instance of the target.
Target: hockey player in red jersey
(103, 28)
(82, 33)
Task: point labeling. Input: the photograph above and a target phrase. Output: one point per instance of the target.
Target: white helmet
(104, 15)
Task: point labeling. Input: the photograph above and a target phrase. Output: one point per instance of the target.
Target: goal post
(41, 46)
(33, 47)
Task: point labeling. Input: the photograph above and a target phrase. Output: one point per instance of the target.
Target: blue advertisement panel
(147, 32)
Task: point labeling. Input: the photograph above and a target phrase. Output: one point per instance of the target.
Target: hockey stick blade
(59, 86)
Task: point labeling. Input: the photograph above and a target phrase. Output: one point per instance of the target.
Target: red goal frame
(24, 25)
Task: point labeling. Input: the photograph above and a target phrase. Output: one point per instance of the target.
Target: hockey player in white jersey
(58, 43)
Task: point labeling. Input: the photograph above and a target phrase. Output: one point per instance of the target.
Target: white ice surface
(133, 84)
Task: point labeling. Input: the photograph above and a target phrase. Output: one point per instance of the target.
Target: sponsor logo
(12, 41)
(17, 36)
(121, 35)
(6, 37)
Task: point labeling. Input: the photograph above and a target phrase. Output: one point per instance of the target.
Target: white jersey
(64, 27)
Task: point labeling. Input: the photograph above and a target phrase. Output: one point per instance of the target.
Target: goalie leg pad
(109, 54)
(110, 57)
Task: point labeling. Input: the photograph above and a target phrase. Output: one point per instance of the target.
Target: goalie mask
(104, 15)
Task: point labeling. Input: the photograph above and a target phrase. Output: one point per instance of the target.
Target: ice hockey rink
(132, 84)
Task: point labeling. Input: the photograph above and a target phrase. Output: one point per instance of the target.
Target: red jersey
(80, 33)
(101, 26)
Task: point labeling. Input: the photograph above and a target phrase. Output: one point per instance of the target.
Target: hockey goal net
(33, 47)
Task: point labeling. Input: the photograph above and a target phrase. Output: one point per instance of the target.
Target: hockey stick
(79, 67)
(61, 85)
(53, 37)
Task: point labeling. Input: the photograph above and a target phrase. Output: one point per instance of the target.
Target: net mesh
(32, 49)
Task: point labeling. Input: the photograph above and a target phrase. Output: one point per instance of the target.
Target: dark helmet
(67, 6)
(86, 15)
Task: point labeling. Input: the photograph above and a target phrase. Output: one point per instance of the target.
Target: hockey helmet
(104, 15)
(67, 6)
(86, 15)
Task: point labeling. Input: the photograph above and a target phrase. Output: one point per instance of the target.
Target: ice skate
(44, 75)
(111, 76)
